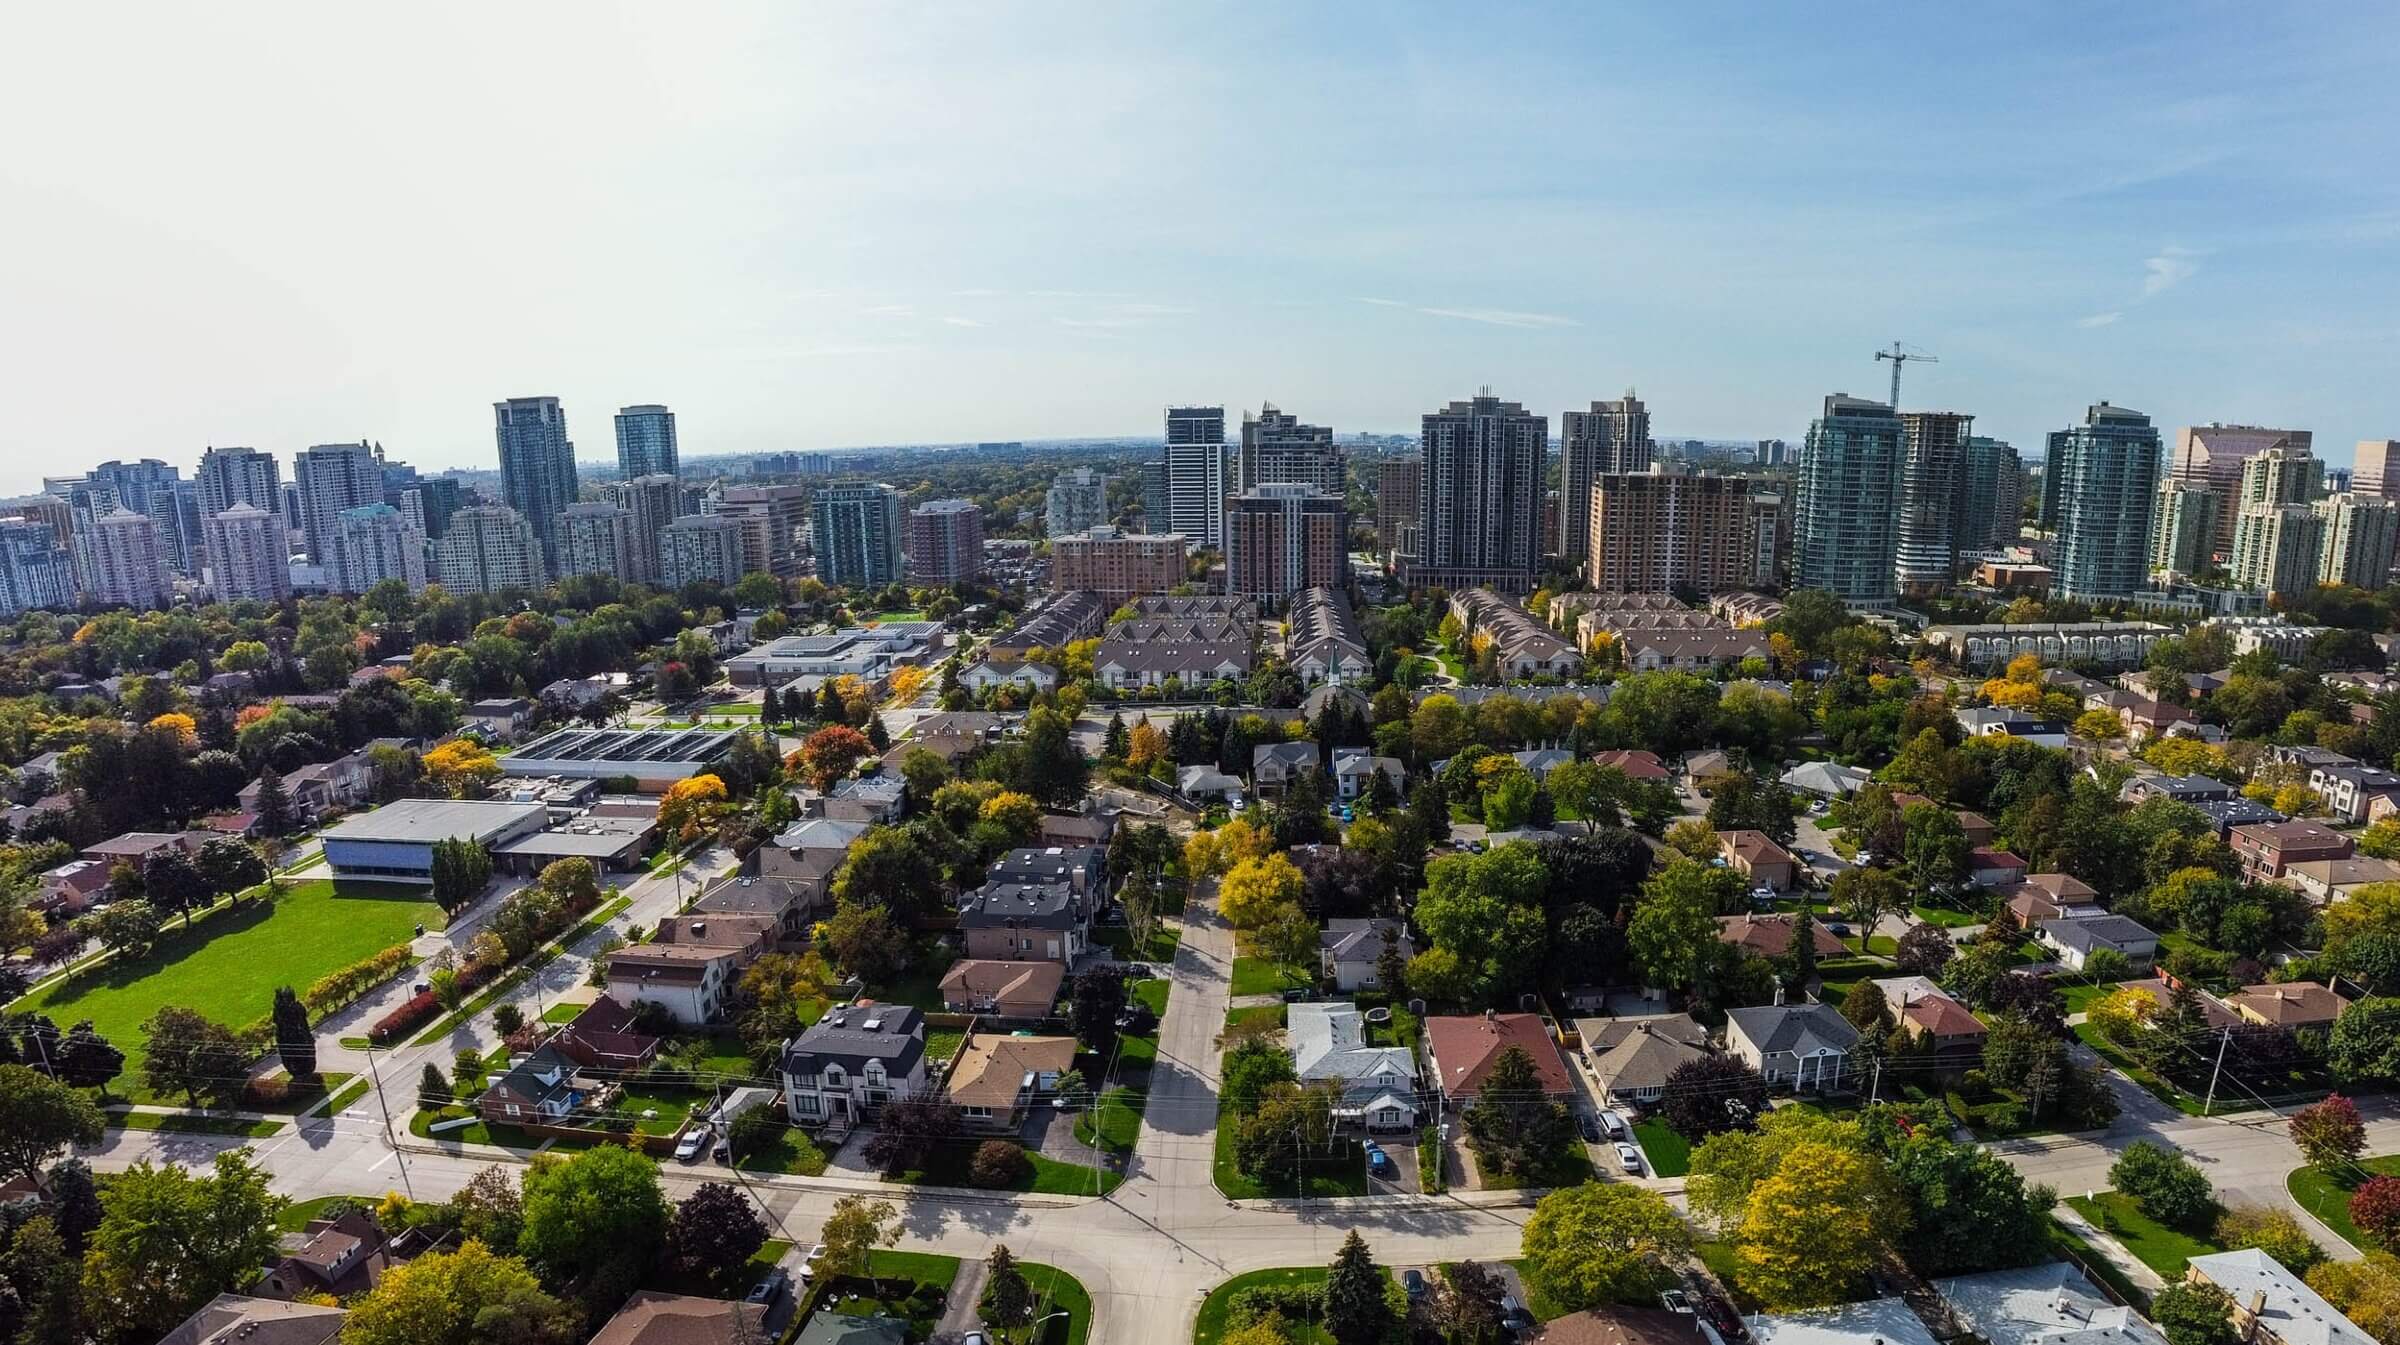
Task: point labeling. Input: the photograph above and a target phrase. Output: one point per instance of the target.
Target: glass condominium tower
(537, 466)
(645, 441)
(1846, 503)
(2098, 488)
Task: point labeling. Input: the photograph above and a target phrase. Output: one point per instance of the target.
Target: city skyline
(2189, 233)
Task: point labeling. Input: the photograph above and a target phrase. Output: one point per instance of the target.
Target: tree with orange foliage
(186, 728)
(461, 766)
(831, 753)
(1145, 746)
(688, 803)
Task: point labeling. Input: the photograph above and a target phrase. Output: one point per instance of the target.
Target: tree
(461, 768)
(2367, 1291)
(191, 1055)
(1813, 1228)
(1712, 1094)
(231, 866)
(274, 806)
(1356, 1310)
(1466, 1309)
(1602, 1242)
(1099, 999)
(2194, 1314)
(830, 754)
(714, 1232)
(1866, 1009)
(85, 1059)
(911, 1130)
(1969, 1210)
(888, 868)
(1745, 802)
(687, 804)
(294, 1042)
(1867, 895)
(1924, 950)
(1693, 839)
(2375, 1210)
(173, 884)
(433, 1087)
(173, 1237)
(39, 1116)
(2364, 1045)
(130, 929)
(464, 1297)
(853, 1231)
(2330, 1132)
(1513, 1125)
(1249, 1068)
(1935, 847)
(1007, 1300)
(1256, 891)
(1675, 927)
(2165, 1184)
(2274, 1231)
(594, 1222)
(1003, 1165)
(864, 941)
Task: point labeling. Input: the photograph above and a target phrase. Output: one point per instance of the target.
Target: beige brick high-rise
(1667, 527)
(1118, 564)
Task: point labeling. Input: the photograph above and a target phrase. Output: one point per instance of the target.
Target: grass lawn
(562, 1013)
(942, 1043)
(1117, 1120)
(189, 1124)
(1151, 994)
(1570, 1166)
(341, 1101)
(228, 965)
(1274, 1015)
(1049, 1177)
(1344, 1174)
(893, 1290)
(300, 1100)
(670, 1103)
(1670, 1154)
(1161, 947)
(2326, 1193)
(921, 988)
(355, 1043)
(1264, 976)
(1054, 1290)
(2163, 1249)
(1945, 917)
(792, 1152)
(2070, 1244)
(895, 615)
(296, 1215)
(1213, 1310)
(507, 1136)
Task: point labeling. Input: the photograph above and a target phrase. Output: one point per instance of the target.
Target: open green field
(2163, 1249)
(228, 965)
(2326, 1192)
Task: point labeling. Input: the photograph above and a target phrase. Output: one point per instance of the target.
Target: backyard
(228, 965)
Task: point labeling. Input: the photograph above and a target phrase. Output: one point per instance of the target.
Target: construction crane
(1900, 357)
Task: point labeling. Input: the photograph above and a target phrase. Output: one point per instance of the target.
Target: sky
(816, 226)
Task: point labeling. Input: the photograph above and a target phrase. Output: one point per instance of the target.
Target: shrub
(999, 1165)
(417, 1012)
(2375, 1208)
(339, 988)
(2166, 1185)
(2273, 1231)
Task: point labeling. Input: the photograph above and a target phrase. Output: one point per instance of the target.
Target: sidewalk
(2142, 1276)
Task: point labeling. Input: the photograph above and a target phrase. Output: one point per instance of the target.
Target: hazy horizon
(279, 225)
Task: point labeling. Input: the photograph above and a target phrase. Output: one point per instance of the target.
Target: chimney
(2258, 1302)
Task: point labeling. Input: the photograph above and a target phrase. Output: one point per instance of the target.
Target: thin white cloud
(1078, 294)
(1102, 323)
(1494, 317)
(2171, 267)
(2100, 319)
(976, 294)
(956, 321)
(1384, 303)
(891, 311)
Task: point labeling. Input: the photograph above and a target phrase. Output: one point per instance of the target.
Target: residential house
(856, 1058)
(1354, 767)
(1019, 922)
(691, 966)
(1992, 721)
(1322, 642)
(1689, 650)
(1016, 992)
(1098, 826)
(2214, 1015)
(1875, 1321)
(2267, 849)
(875, 799)
(1977, 828)
(242, 1319)
(805, 856)
(1540, 761)
(136, 847)
(73, 887)
(1619, 1325)
(603, 1038)
(2181, 788)
(500, 718)
(1772, 935)
(1826, 779)
(2050, 896)
(542, 1087)
(2050, 1303)
(995, 671)
(2352, 791)
(1932, 1017)
(1275, 767)
(2327, 880)
(1460, 1052)
(1987, 867)
(1804, 1047)
(2226, 814)
(321, 786)
(1083, 868)
(2271, 1305)
(1350, 951)
(1630, 1058)
(1634, 763)
(2150, 718)
(996, 1077)
(1378, 1083)
(2289, 1004)
(1127, 665)
(1352, 699)
(650, 1317)
(1206, 784)
(2074, 941)
(1521, 645)
(340, 1256)
(1756, 856)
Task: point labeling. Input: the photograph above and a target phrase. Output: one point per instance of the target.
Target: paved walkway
(962, 1312)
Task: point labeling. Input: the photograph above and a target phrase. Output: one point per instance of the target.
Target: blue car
(1379, 1163)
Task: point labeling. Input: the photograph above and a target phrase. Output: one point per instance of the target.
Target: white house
(994, 672)
(1804, 1047)
(857, 1058)
(1379, 1083)
(2076, 940)
(1353, 767)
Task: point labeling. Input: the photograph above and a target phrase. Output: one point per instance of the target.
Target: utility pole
(1875, 1090)
(377, 1075)
(2224, 1039)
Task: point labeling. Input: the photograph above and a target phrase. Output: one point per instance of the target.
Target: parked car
(1379, 1163)
(1629, 1158)
(1613, 1124)
(769, 1289)
(1837, 929)
(1413, 1280)
(808, 1263)
(694, 1140)
(1590, 1126)
(1513, 1316)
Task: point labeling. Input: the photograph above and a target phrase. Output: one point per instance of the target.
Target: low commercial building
(870, 653)
(612, 844)
(394, 843)
(653, 759)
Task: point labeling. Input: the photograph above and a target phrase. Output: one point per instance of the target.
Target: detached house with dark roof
(2075, 940)
(1275, 767)
(1021, 922)
(856, 1058)
(1803, 1047)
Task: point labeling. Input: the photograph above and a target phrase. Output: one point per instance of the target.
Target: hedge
(340, 988)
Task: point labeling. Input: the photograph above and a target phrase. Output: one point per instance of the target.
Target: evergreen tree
(877, 735)
(294, 1042)
(800, 703)
(1114, 745)
(274, 806)
(1356, 1311)
(1007, 1298)
(1381, 795)
(1804, 948)
(432, 1089)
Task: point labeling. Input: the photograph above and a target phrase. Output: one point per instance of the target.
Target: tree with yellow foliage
(1145, 747)
(1813, 1229)
(461, 767)
(907, 681)
(186, 729)
(2121, 1014)
(1209, 853)
(687, 804)
(2099, 726)
(1256, 891)
(1019, 815)
(2297, 800)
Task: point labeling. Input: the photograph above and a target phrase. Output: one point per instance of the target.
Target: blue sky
(809, 227)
